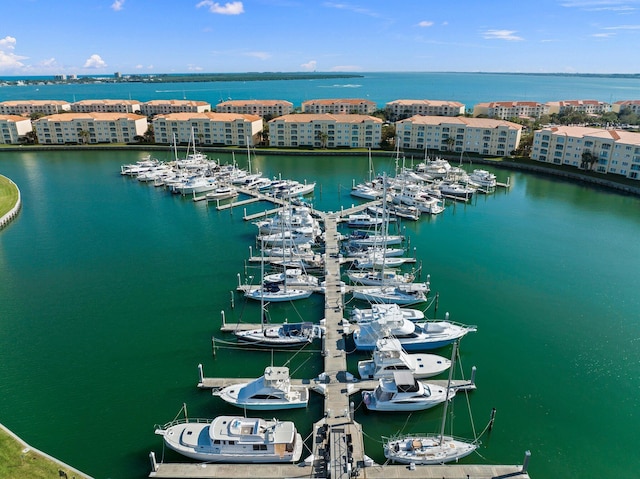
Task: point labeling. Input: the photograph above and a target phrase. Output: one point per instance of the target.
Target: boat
(380, 277)
(369, 190)
(363, 220)
(293, 277)
(223, 192)
(425, 449)
(271, 391)
(389, 357)
(403, 392)
(234, 439)
(405, 294)
(482, 179)
(387, 320)
(287, 335)
(456, 191)
(364, 238)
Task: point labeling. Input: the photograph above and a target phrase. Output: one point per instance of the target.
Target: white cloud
(194, 68)
(117, 5)
(352, 8)
(603, 35)
(501, 35)
(231, 8)
(49, 63)
(310, 66)
(623, 27)
(260, 55)
(95, 61)
(425, 23)
(8, 59)
(624, 6)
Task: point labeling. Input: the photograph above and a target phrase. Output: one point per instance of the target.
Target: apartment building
(610, 151)
(90, 128)
(165, 107)
(29, 107)
(325, 131)
(510, 109)
(339, 106)
(633, 105)
(401, 109)
(484, 136)
(107, 106)
(208, 129)
(13, 127)
(262, 108)
(590, 107)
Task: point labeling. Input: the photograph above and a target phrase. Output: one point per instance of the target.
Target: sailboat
(434, 448)
(369, 190)
(275, 292)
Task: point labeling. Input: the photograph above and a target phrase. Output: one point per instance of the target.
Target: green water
(110, 291)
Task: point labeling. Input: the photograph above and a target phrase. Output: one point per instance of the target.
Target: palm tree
(322, 137)
(588, 159)
(450, 141)
(83, 136)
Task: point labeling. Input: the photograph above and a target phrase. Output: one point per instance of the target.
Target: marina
(337, 448)
(170, 270)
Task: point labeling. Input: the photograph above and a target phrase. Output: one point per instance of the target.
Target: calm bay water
(468, 88)
(111, 290)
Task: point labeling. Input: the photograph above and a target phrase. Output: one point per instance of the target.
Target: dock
(338, 443)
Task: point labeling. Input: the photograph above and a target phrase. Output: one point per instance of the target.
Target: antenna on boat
(446, 403)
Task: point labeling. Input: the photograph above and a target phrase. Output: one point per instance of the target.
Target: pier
(337, 449)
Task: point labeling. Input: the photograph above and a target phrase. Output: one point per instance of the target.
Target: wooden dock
(338, 445)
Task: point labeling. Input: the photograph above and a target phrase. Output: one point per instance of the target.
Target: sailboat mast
(446, 403)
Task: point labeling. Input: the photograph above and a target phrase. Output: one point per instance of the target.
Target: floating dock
(338, 447)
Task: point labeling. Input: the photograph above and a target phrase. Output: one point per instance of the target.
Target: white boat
(140, 166)
(366, 191)
(482, 179)
(271, 391)
(275, 293)
(430, 169)
(387, 314)
(293, 277)
(387, 320)
(390, 357)
(426, 449)
(379, 277)
(406, 294)
(418, 197)
(379, 260)
(363, 220)
(363, 238)
(456, 191)
(223, 192)
(292, 188)
(195, 184)
(234, 439)
(403, 392)
(287, 335)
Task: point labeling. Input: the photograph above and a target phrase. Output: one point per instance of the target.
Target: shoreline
(508, 163)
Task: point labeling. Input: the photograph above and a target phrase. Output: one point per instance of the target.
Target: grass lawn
(18, 462)
(8, 196)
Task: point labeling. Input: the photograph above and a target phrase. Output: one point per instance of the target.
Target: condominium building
(90, 128)
(325, 131)
(401, 109)
(632, 105)
(29, 107)
(484, 136)
(165, 107)
(208, 128)
(510, 109)
(605, 151)
(13, 127)
(590, 107)
(339, 106)
(107, 106)
(262, 108)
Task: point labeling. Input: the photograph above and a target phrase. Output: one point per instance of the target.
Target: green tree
(149, 135)
(83, 136)
(588, 159)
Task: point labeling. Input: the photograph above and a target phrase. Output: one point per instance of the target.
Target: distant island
(176, 78)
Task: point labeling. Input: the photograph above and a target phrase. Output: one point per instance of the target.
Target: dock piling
(154, 464)
(200, 374)
(492, 419)
(525, 463)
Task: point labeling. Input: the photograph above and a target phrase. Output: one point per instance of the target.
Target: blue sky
(47, 37)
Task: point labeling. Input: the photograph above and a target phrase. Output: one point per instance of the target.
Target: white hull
(426, 449)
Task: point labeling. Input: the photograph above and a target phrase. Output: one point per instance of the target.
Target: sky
(100, 37)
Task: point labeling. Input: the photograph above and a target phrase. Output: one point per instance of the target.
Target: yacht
(287, 335)
(403, 392)
(405, 294)
(271, 391)
(234, 439)
(390, 357)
